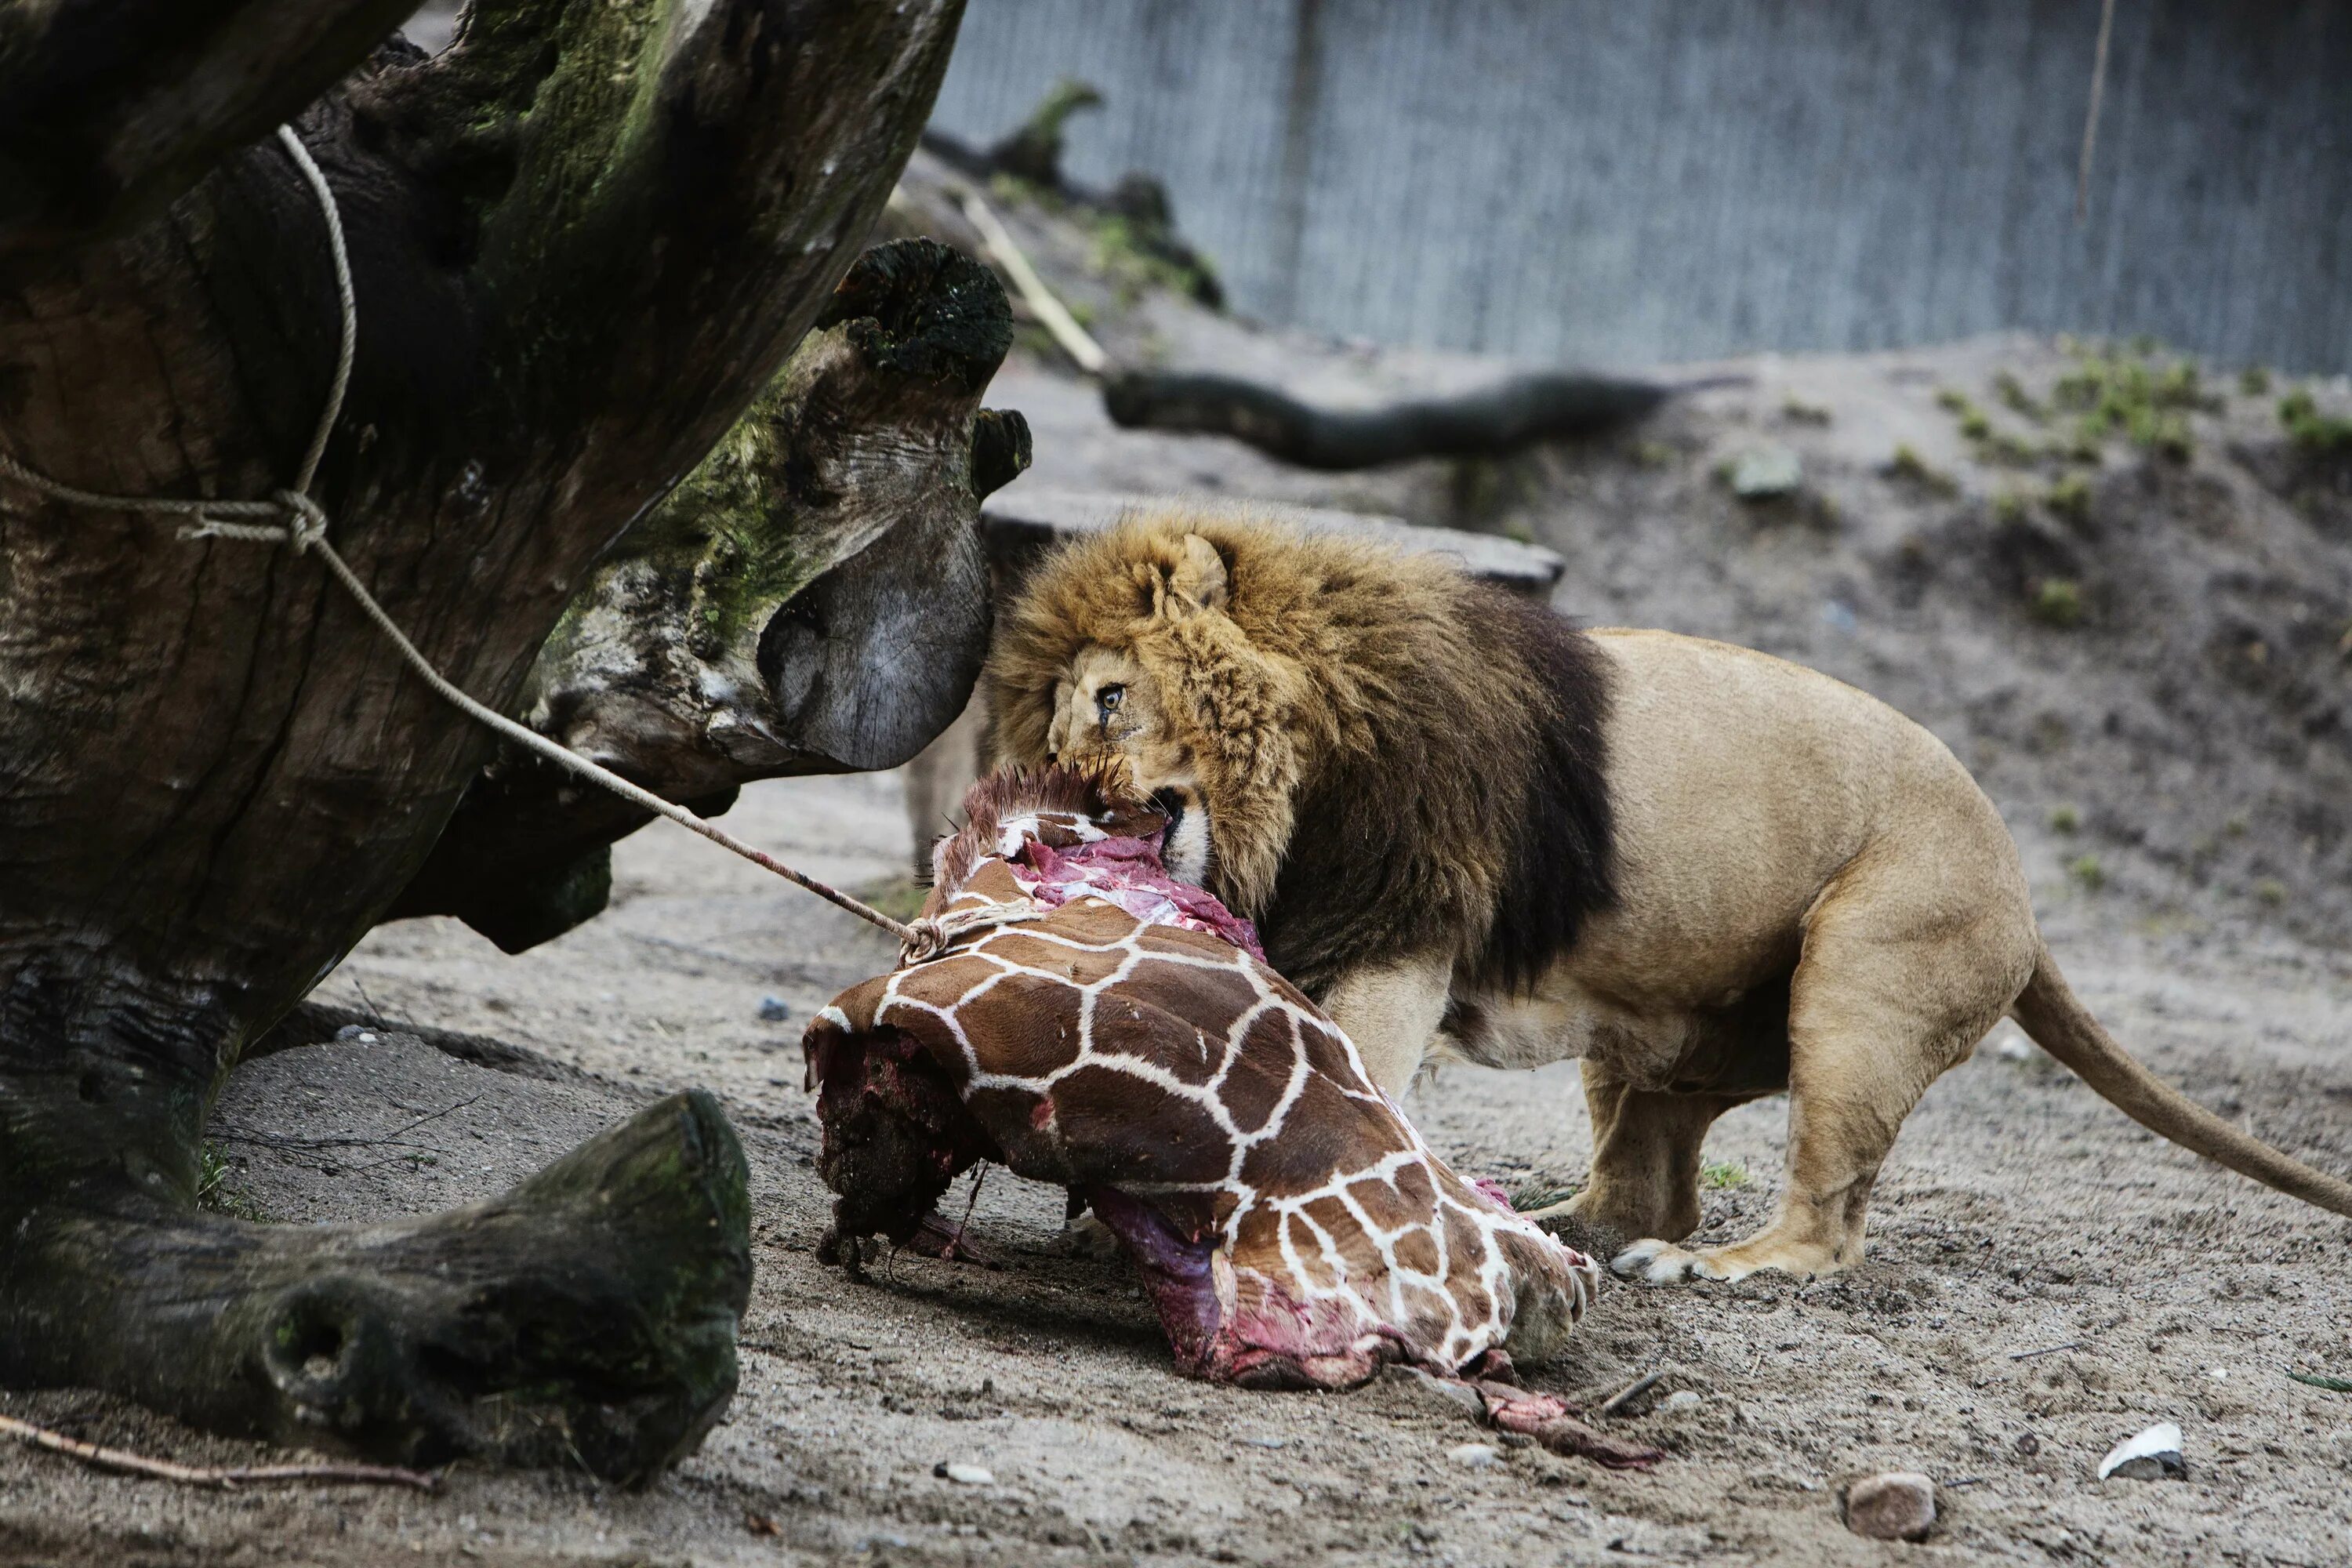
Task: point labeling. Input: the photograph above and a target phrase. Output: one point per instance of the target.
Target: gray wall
(1637, 180)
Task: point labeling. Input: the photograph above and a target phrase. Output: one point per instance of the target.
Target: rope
(303, 525)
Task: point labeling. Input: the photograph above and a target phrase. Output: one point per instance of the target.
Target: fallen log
(1489, 421)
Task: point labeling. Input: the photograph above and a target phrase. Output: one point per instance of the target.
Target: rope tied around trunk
(294, 519)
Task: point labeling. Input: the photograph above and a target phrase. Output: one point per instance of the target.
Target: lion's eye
(1107, 700)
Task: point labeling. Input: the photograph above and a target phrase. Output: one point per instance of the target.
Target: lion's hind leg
(1892, 991)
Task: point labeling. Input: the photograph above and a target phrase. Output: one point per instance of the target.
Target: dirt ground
(2018, 1214)
(2045, 1279)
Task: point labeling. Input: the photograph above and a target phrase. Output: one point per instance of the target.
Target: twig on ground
(396, 1139)
(2333, 1384)
(1630, 1392)
(1051, 313)
(103, 1459)
(2045, 1350)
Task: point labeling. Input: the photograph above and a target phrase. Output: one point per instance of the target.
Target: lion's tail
(2051, 1011)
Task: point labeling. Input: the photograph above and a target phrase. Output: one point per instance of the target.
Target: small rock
(773, 1010)
(2147, 1456)
(965, 1475)
(1681, 1399)
(1766, 472)
(1475, 1456)
(2029, 1445)
(1899, 1505)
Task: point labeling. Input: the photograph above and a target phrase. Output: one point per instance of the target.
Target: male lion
(1475, 832)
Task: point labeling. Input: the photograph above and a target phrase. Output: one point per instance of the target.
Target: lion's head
(1126, 643)
(1372, 731)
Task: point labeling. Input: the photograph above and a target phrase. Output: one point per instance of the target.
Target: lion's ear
(1198, 579)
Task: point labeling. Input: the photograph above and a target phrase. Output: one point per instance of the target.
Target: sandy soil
(2045, 1279)
(2018, 1213)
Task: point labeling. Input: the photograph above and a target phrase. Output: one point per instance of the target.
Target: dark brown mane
(1095, 789)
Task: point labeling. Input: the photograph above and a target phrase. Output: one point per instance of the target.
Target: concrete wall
(1639, 180)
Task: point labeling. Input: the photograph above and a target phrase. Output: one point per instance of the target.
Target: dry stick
(1050, 312)
(2091, 119)
(300, 523)
(2333, 1384)
(1631, 1392)
(2045, 1350)
(209, 1475)
(346, 1141)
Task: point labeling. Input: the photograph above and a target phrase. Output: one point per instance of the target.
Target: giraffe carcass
(1071, 1011)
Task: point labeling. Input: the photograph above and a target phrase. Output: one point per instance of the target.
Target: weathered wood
(584, 238)
(812, 598)
(1489, 421)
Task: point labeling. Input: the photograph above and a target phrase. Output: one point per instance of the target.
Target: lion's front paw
(1655, 1262)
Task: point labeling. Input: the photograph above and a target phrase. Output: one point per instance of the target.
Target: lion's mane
(1397, 760)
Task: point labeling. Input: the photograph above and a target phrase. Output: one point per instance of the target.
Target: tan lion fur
(1471, 831)
(1379, 692)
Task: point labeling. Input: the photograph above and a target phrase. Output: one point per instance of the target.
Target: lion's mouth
(1184, 847)
(1170, 805)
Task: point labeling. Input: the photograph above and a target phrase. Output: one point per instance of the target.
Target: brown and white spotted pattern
(1076, 1014)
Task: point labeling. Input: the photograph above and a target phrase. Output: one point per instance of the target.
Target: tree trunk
(812, 598)
(584, 238)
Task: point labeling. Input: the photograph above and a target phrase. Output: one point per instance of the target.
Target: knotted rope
(301, 523)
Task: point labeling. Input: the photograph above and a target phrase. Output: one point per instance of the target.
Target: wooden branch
(225, 1479)
(110, 108)
(1490, 421)
(1055, 316)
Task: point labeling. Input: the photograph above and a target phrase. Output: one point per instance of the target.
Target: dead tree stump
(585, 238)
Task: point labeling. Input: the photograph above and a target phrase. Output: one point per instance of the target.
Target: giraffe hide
(1290, 1225)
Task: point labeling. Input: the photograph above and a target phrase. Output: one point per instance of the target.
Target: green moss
(2014, 450)
(1797, 410)
(2150, 405)
(1654, 455)
(1908, 466)
(2057, 601)
(727, 523)
(1952, 399)
(2087, 872)
(2070, 499)
(2254, 381)
(1121, 252)
(1975, 425)
(2009, 507)
(2016, 399)
(2270, 891)
(2064, 819)
(2313, 431)
(1721, 1175)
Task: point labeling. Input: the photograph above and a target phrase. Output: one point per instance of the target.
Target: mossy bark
(812, 598)
(584, 238)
